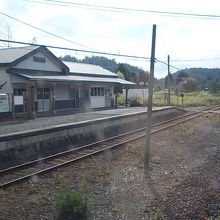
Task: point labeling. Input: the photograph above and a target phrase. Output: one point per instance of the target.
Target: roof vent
(64, 71)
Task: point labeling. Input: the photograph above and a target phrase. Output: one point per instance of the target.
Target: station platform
(18, 125)
(25, 140)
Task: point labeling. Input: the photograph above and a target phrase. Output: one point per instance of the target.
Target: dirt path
(183, 183)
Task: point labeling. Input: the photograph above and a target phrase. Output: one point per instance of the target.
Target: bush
(121, 100)
(138, 101)
(190, 85)
(71, 205)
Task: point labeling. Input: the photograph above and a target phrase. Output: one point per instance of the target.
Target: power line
(77, 50)
(121, 9)
(47, 32)
(159, 61)
(75, 6)
(89, 51)
(213, 58)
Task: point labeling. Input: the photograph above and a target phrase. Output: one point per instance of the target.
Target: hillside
(201, 74)
(109, 64)
(130, 72)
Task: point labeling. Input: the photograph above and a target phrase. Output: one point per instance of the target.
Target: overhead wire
(92, 52)
(160, 61)
(75, 6)
(74, 49)
(195, 60)
(122, 9)
(47, 32)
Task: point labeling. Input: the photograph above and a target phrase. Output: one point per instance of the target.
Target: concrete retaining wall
(23, 146)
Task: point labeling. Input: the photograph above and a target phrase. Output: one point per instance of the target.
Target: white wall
(49, 65)
(97, 101)
(61, 92)
(17, 79)
(143, 93)
(109, 97)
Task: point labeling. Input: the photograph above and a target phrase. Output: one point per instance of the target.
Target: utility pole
(168, 80)
(149, 105)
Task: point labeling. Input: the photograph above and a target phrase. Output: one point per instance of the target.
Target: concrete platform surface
(8, 127)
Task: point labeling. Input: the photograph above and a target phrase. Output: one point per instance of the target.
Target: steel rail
(9, 183)
(9, 169)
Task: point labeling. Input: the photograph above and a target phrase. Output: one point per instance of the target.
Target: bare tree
(33, 40)
(7, 33)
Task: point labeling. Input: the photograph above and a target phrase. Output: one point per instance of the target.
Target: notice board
(4, 103)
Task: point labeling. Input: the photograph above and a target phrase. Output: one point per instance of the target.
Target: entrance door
(97, 97)
(43, 99)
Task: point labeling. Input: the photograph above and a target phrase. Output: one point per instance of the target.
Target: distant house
(135, 92)
(37, 81)
(140, 89)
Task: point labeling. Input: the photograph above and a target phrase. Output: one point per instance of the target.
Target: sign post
(182, 95)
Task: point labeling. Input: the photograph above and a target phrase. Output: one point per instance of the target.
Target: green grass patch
(198, 98)
(156, 159)
(70, 204)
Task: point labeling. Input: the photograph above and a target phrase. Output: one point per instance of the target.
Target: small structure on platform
(140, 89)
(4, 104)
(37, 81)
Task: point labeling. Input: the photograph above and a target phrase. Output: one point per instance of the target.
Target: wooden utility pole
(30, 110)
(149, 105)
(126, 97)
(168, 80)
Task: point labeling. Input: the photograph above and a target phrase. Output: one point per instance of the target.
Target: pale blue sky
(184, 38)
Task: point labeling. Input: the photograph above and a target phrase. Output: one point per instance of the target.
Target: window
(72, 93)
(19, 91)
(43, 93)
(97, 91)
(39, 59)
(40, 93)
(46, 93)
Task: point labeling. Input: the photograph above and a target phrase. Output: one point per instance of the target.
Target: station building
(37, 81)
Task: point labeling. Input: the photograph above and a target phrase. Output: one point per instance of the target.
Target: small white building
(37, 81)
(136, 92)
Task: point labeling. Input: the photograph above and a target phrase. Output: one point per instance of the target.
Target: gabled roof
(89, 70)
(9, 55)
(76, 72)
(14, 55)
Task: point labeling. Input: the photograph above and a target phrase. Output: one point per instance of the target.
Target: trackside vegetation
(71, 205)
(190, 99)
(196, 98)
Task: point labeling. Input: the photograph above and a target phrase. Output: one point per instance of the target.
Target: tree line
(196, 78)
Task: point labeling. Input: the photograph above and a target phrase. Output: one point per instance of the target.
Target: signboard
(4, 103)
(18, 100)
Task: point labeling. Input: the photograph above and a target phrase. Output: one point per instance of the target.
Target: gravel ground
(183, 182)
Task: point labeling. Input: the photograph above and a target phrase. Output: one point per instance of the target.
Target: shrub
(121, 100)
(190, 85)
(138, 101)
(71, 205)
(156, 159)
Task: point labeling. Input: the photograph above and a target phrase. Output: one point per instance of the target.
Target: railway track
(15, 174)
